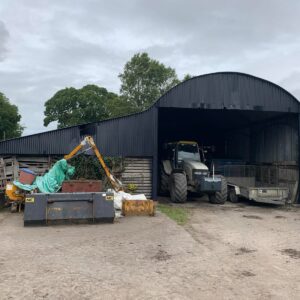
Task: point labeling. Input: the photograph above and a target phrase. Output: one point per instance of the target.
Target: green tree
(186, 77)
(144, 80)
(9, 119)
(119, 106)
(72, 106)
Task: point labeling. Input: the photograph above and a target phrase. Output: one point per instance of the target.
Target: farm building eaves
(136, 134)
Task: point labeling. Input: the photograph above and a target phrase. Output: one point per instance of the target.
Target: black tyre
(164, 183)
(220, 197)
(232, 196)
(178, 188)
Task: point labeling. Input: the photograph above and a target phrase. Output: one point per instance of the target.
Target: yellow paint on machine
(14, 193)
(29, 200)
(138, 208)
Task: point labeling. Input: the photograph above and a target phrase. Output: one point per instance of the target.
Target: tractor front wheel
(178, 188)
(220, 197)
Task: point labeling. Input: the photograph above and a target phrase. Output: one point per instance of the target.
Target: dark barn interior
(251, 136)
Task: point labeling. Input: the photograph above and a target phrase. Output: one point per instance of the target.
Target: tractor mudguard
(167, 167)
(178, 171)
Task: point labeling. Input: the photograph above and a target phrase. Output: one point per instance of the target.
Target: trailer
(242, 182)
(272, 195)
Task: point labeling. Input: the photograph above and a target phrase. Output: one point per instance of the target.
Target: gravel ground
(234, 251)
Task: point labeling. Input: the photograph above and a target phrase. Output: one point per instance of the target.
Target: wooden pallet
(138, 171)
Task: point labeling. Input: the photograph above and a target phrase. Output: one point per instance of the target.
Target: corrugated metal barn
(244, 117)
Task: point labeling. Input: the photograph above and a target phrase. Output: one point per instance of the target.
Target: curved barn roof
(229, 90)
(136, 134)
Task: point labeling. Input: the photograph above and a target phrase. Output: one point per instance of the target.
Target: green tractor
(183, 170)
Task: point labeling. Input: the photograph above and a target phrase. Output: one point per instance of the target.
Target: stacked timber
(8, 170)
(138, 172)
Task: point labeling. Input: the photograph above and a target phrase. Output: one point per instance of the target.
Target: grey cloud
(209, 28)
(292, 80)
(292, 83)
(54, 44)
(3, 39)
(296, 93)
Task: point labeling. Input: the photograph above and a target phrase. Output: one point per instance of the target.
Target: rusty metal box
(87, 186)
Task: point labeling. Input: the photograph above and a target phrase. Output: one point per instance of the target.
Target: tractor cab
(177, 152)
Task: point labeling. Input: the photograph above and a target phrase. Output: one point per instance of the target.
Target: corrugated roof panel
(232, 91)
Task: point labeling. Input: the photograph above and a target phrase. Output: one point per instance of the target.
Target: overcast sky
(49, 45)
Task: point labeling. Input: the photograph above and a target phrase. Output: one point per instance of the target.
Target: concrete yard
(234, 251)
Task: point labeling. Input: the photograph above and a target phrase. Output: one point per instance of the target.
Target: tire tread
(178, 188)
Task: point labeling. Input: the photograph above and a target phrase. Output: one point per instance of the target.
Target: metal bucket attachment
(58, 208)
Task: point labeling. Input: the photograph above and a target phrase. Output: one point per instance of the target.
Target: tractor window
(188, 151)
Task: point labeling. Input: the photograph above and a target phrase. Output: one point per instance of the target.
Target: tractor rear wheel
(178, 187)
(220, 197)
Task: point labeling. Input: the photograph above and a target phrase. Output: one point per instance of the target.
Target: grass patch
(179, 214)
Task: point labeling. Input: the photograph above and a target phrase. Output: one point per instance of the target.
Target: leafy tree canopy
(119, 106)
(186, 77)
(144, 80)
(72, 106)
(9, 119)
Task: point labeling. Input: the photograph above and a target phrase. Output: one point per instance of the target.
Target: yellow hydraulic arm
(88, 140)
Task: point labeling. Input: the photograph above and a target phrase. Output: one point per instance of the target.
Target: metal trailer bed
(272, 195)
(242, 182)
